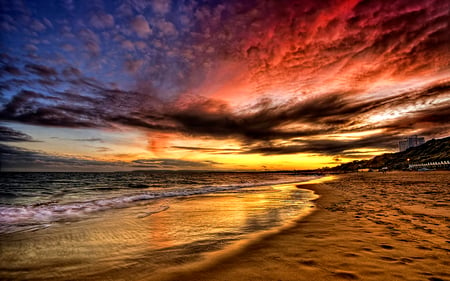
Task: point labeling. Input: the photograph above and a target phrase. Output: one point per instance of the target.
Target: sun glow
(147, 86)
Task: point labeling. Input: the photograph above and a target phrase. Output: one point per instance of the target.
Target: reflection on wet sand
(174, 232)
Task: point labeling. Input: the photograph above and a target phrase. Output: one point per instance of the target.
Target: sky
(218, 85)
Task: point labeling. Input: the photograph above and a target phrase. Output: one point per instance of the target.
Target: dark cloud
(330, 147)
(265, 122)
(11, 70)
(58, 117)
(10, 135)
(41, 70)
(429, 122)
(323, 114)
(210, 149)
(165, 163)
(19, 159)
(36, 108)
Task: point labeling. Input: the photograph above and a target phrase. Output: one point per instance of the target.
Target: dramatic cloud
(329, 147)
(15, 158)
(315, 116)
(11, 135)
(271, 78)
(265, 121)
(39, 109)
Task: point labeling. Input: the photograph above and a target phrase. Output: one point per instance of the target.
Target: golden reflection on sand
(162, 234)
(318, 180)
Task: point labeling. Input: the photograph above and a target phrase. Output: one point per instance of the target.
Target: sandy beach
(366, 226)
(363, 226)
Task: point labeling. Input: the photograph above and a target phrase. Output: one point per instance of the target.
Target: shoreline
(143, 243)
(368, 226)
(216, 258)
(361, 226)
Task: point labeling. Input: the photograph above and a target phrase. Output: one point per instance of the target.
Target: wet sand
(366, 226)
(152, 240)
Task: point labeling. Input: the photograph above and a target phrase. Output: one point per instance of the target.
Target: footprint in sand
(351, 255)
(435, 279)
(423, 248)
(405, 261)
(346, 275)
(308, 262)
(388, 259)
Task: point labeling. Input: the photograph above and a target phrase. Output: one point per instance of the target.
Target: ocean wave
(49, 212)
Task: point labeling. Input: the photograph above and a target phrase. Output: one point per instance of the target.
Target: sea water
(65, 226)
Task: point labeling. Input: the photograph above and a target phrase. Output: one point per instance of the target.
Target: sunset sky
(218, 85)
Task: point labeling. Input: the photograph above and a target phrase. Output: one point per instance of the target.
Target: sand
(366, 226)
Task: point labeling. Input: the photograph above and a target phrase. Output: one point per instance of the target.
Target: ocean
(67, 226)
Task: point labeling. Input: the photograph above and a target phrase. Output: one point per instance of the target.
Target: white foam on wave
(11, 216)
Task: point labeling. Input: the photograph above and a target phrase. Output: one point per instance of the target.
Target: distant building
(402, 145)
(411, 141)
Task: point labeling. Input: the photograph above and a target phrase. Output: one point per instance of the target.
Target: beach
(366, 226)
(138, 225)
(362, 226)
